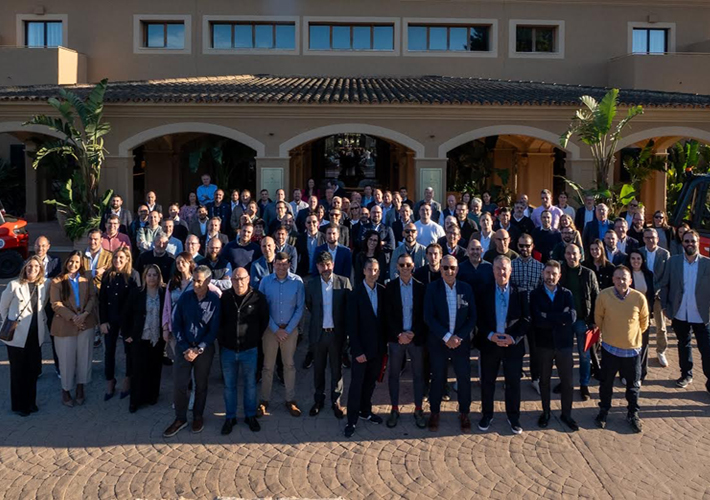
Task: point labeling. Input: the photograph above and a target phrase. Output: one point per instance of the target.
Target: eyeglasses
(449, 268)
(405, 264)
(522, 245)
(657, 216)
(238, 278)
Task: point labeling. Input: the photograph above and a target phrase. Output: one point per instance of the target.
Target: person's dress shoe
(393, 419)
(262, 409)
(544, 420)
(112, 392)
(80, 397)
(308, 362)
(67, 399)
(375, 419)
(228, 426)
(349, 430)
(347, 363)
(198, 424)
(465, 423)
(570, 422)
(600, 420)
(124, 394)
(635, 422)
(419, 419)
(253, 424)
(446, 396)
(338, 411)
(584, 393)
(22, 413)
(536, 385)
(293, 409)
(315, 409)
(174, 428)
(434, 422)
(34, 409)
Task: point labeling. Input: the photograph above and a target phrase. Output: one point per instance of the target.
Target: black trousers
(562, 358)
(363, 377)
(147, 371)
(182, 373)
(439, 356)
(628, 368)
(685, 351)
(328, 350)
(25, 367)
(110, 341)
(534, 358)
(644, 353)
(512, 359)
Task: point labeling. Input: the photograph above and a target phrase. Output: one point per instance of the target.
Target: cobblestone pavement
(100, 450)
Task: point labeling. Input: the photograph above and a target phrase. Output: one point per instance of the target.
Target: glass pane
(544, 40)
(383, 38)
(341, 37)
(705, 218)
(242, 36)
(35, 34)
(523, 39)
(479, 38)
(156, 35)
(457, 39)
(640, 41)
(221, 36)
(416, 38)
(286, 36)
(54, 34)
(264, 36)
(657, 42)
(319, 38)
(437, 39)
(362, 37)
(176, 36)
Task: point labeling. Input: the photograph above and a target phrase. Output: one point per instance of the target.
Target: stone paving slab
(100, 450)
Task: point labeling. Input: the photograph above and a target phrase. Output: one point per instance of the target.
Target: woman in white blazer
(24, 299)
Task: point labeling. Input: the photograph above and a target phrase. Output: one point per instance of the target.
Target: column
(581, 171)
(653, 191)
(31, 187)
(117, 174)
(539, 175)
(272, 174)
(429, 172)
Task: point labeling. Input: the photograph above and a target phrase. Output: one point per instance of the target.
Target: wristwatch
(200, 350)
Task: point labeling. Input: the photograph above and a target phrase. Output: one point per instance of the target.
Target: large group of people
(373, 281)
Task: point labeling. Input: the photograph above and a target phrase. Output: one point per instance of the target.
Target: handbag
(7, 331)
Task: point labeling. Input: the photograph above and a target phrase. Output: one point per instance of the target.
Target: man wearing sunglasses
(410, 247)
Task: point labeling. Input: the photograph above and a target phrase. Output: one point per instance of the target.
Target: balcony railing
(40, 65)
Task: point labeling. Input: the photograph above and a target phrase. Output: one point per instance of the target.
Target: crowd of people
(373, 281)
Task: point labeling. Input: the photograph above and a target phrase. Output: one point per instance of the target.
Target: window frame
(559, 41)
(492, 25)
(670, 37)
(140, 33)
(393, 22)
(165, 24)
(207, 39)
(44, 24)
(21, 21)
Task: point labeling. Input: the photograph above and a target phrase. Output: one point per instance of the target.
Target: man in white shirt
(656, 260)
(485, 235)
(297, 204)
(428, 231)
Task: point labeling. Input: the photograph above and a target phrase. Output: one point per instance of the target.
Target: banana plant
(80, 123)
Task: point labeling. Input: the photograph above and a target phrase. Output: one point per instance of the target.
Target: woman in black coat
(642, 280)
(116, 286)
(142, 330)
(597, 262)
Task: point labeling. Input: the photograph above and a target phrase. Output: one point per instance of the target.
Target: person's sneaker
(393, 419)
(375, 419)
(308, 362)
(315, 409)
(338, 410)
(569, 422)
(174, 428)
(434, 422)
(635, 422)
(515, 427)
(536, 385)
(198, 425)
(557, 389)
(662, 359)
(419, 419)
(349, 430)
(600, 420)
(485, 423)
(446, 396)
(262, 409)
(253, 424)
(465, 423)
(584, 393)
(228, 426)
(684, 382)
(293, 408)
(544, 420)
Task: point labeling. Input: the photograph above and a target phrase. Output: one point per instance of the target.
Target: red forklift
(693, 207)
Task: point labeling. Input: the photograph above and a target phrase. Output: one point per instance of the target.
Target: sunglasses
(449, 268)
(410, 230)
(406, 264)
(657, 216)
(520, 245)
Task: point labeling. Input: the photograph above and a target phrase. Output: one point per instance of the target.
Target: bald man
(501, 246)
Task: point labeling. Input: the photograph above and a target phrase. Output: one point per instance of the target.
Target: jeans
(232, 361)
(685, 351)
(585, 358)
(628, 368)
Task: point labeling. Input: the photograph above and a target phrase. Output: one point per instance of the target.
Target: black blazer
(304, 266)
(459, 252)
(436, 310)
(579, 218)
(134, 322)
(517, 322)
(394, 317)
(554, 330)
(365, 329)
(314, 303)
(114, 294)
(54, 267)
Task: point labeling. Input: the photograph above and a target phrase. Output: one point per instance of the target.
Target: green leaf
(606, 111)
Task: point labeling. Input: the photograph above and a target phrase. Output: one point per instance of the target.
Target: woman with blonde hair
(116, 286)
(23, 301)
(73, 299)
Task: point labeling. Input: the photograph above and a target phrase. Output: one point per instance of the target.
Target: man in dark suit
(367, 344)
(553, 317)
(405, 218)
(342, 257)
(585, 213)
(306, 245)
(503, 222)
(501, 332)
(327, 299)
(303, 214)
(406, 334)
(626, 243)
(656, 259)
(596, 228)
(611, 247)
(450, 338)
(222, 209)
(451, 244)
(214, 231)
(336, 219)
(115, 207)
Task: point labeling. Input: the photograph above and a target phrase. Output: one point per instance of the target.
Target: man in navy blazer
(501, 332)
(365, 325)
(450, 338)
(597, 228)
(341, 254)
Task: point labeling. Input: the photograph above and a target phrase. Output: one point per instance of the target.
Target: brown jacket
(105, 259)
(62, 325)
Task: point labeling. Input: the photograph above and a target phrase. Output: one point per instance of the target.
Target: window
(43, 33)
(535, 39)
(253, 35)
(448, 38)
(649, 41)
(164, 35)
(351, 37)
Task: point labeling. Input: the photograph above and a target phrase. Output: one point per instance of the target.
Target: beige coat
(62, 325)
(14, 299)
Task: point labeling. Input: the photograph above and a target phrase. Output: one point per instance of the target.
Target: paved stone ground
(100, 450)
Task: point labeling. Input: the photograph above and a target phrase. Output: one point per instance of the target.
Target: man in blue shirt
(195, 325)
(285, 295)
(205, 193)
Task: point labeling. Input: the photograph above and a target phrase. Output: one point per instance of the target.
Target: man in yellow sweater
(622, 316)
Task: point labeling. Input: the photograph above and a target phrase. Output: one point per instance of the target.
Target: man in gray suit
(656, 259)
(326, 299)
(408, 246)
(685, 295)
